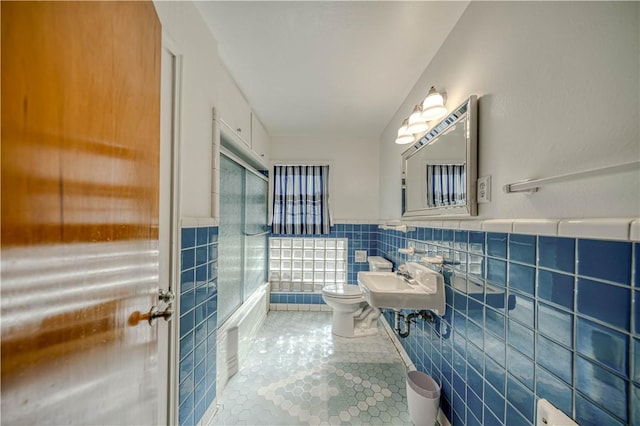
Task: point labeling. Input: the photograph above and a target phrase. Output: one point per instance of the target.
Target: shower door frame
(248, 168)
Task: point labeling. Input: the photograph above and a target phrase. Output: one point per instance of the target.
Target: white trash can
(423, 398)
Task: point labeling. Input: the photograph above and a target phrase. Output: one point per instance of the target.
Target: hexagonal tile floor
(298, 373)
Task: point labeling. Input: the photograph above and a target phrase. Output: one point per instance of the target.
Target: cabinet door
(235, 112)
(259, 139)
(242, 116)
(224, 101)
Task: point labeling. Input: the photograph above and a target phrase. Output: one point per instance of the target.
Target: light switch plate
(361, 255)
(484, 189)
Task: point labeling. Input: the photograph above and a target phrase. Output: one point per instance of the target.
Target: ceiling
(324, 67)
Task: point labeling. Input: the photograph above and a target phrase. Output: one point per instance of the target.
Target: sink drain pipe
(399, 317)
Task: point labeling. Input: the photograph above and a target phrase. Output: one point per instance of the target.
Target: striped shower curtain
(446, 185)
(301, 200)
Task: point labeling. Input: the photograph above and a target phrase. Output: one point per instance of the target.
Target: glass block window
(306, 264)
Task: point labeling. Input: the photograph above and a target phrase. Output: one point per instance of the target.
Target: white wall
(200, 80)
(559, 92)
(353, 171)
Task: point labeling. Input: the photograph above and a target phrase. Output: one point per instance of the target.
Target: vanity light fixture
(433, 105)
(416, 123)
(404, 135)
(431, 108)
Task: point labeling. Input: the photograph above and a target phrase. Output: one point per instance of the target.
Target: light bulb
(404, 135)
(416, 122)
(433, 106)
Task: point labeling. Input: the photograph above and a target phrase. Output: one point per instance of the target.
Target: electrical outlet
(484, 189)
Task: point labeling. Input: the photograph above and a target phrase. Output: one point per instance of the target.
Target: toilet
(352, 315)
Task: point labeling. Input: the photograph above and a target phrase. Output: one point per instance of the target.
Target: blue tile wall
(198, 322)
(557, 253)
(606, 260)
(559, 319)
(555, 287)
(605, 302)
(296, 298)
(360, 237)
(555, 306)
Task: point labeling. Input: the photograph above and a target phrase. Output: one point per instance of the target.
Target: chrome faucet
(406, 275)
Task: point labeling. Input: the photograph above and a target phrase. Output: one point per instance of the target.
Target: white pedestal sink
(425, 289)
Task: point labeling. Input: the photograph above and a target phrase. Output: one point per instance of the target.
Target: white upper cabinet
(259, 139)
(242, 127)
(235, 111)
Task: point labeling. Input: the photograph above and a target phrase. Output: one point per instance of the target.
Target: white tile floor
(298, 373)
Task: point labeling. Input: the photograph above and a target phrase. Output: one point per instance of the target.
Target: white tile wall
(536, 227)
(634, 234)
(615, 229)
(497, 225)
(624, 229)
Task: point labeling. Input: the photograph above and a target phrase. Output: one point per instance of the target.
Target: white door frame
(168, 336)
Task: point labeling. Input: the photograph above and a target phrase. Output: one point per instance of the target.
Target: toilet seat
(340, 291)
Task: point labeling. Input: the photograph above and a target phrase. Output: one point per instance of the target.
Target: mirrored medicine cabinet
(439, 171)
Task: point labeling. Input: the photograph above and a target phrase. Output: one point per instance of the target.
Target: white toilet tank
(380, 264)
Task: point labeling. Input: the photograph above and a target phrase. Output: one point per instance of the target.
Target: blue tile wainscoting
(297, 301)
(555, 318)
(296, 298)
(198, 322)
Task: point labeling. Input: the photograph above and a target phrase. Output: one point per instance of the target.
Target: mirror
(439, 172)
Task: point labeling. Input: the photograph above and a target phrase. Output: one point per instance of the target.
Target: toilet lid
(342, 291)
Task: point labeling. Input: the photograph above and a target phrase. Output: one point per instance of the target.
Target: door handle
(151, 316)
(154, 314)
(165, 296)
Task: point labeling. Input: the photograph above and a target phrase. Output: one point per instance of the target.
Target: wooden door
(80, 153)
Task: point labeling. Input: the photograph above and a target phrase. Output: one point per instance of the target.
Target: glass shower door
(242, 261)
(231, 238)
(255, 232)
